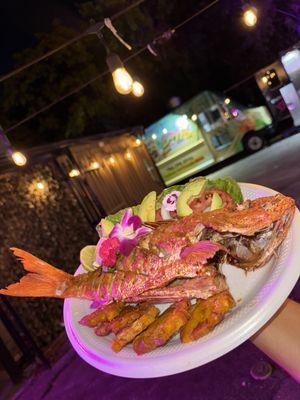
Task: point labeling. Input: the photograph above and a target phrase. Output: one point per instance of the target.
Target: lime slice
(87, 258)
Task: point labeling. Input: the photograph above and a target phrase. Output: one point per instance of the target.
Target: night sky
(21, 19)
(213, 52)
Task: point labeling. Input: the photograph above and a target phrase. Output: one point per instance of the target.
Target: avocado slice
(191, 190)
(147, 208)
(87, 258)
(106, 227)
(216, 202)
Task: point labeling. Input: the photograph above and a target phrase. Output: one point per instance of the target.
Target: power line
(93, 29)
(106, 72)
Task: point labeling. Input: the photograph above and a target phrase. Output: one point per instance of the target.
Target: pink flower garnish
(106, 251)
(128, 231)
(170, 200)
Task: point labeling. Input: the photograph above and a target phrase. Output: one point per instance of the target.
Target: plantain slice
(205, 315)
(127, 334)
(163, 328)
(102, 314)
(126, 317)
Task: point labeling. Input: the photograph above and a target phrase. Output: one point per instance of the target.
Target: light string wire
(93, 29)
(106, 72)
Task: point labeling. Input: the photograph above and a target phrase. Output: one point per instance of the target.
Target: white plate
(259, 294)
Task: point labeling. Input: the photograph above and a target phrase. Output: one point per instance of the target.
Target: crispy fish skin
(102, 314)
(205, 315)
(127, 334)
(163, 328)
(199, 288)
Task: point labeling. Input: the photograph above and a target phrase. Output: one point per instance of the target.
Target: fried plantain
(163, 328)
(127, 334)
(205, 315)
(102, 314)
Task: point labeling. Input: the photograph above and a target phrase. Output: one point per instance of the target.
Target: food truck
(202, 132)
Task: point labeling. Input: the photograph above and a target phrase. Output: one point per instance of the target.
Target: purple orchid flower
(170, 200)
(128, 231)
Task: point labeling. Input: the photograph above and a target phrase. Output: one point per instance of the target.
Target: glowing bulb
(74, 172)
(112, 160)
(128, 155)
(227, 101)
(94, 165)
(40, 185)
(138, 89)
(165, 131)
(19, 158)
(122, 80)
(182, 122)
(138, 141)
(250, 16)
(194, 117)
(154, 136)
(264, 79)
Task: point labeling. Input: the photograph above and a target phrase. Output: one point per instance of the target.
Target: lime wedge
(87, 258)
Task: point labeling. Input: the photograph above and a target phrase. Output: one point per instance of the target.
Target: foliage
(212, 52)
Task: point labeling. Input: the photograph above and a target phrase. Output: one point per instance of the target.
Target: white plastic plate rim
(175, 359)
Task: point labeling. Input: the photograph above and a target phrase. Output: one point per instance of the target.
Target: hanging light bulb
(194, 117)
(227, 101)
(122, 79)
(74, 172)
(154, 136)
(137, 89)
(19, 158)
(112, 160)
(138, 141)
(94, 165)
(250, 16)
(128, 155)
(40, 185)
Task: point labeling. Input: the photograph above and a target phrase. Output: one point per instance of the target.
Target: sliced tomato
(203, 203)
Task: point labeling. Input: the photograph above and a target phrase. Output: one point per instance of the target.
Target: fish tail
(43, 280)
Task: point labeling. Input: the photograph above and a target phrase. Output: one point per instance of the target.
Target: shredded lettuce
(229, 185)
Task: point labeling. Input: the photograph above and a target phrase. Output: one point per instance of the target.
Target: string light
(122, 80)
(138, 141)
(227, 101)
(194, 117)
(74, 172)
(19, 158)
(250, 16)
(94, 165)
(40, 185)
(112, 160)
(154, 136)
(128, 155)
(165, 131)
(137, 89)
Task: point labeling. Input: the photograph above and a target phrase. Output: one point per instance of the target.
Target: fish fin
(43, 280)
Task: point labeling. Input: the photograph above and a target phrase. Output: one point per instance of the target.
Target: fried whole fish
(177, 249)
(45, 280)
(251, 233)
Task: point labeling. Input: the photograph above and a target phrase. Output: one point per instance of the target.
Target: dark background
(213, 51)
